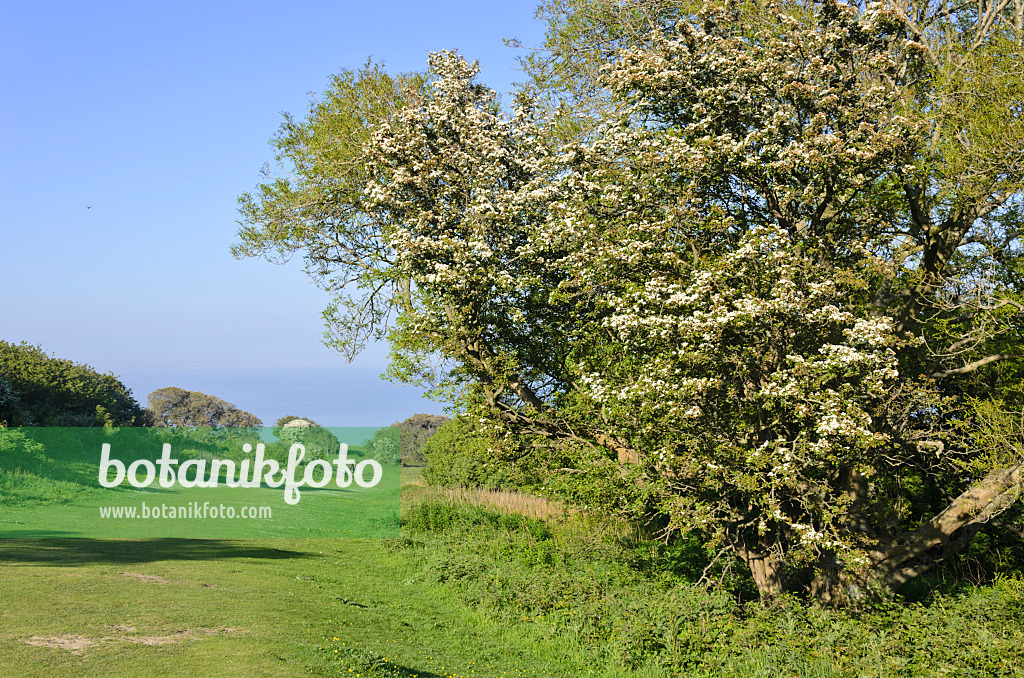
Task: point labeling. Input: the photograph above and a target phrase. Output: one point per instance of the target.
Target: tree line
(37, 389)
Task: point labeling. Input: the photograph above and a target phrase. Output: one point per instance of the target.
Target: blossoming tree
(770, 293)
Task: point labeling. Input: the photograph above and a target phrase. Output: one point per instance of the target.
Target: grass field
(469, 590)
(50, 488)
(274, 607)
(255, 608)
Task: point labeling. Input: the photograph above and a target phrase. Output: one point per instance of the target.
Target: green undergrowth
(617, 604)
(21, 488)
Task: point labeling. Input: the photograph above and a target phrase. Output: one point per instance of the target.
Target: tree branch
(914, 552)
(971, 367)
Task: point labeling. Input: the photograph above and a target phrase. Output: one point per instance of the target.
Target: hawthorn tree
(173, 406)
(769, 289)
(795, 260)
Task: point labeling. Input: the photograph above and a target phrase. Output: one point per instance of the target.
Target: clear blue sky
(157, 115)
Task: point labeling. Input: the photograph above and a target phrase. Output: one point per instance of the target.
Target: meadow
(479, 584)
(54, 482)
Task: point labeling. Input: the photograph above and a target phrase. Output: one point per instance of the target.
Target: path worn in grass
(271, 607)
(237, 608)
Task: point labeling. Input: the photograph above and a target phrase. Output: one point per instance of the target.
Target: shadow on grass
(398, 671)
(379, 665)
(56, 551)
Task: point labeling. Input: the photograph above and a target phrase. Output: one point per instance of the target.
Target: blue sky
(157, 115)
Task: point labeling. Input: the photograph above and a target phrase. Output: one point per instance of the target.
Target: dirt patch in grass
(77, 644)
(145, 577)
(178, 636)
(72, 644)
(124, 628)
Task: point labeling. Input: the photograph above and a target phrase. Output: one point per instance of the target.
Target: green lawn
(232, 608)
(271, 607)
(465, 592)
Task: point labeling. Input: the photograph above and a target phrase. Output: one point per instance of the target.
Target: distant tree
(284, 420)
(413, 435)
(37, 389)
(318, 441)
(287, 420)
(173, 406)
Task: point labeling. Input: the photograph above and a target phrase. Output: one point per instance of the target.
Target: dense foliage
(753, 269)
(413, 434)
(317, 441)
(460, 454)
(37, 389)
(622, 605)
(173, 406)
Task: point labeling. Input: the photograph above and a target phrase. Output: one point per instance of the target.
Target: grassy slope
(286, 600)
(237, 608)
(553, 604)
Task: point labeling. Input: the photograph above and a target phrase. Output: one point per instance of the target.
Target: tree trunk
(834, 583)
(765, 569)
(828, 584)
(914, 552)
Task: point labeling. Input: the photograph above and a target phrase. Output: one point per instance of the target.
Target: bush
(42, 390)
(384, 445)
(460, 454)
(10, 408)
(318, 442)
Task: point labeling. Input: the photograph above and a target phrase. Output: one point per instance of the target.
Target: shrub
(45, 391)
(463, 455)
(620, 605)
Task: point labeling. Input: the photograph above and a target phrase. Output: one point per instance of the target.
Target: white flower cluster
(677, 267)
